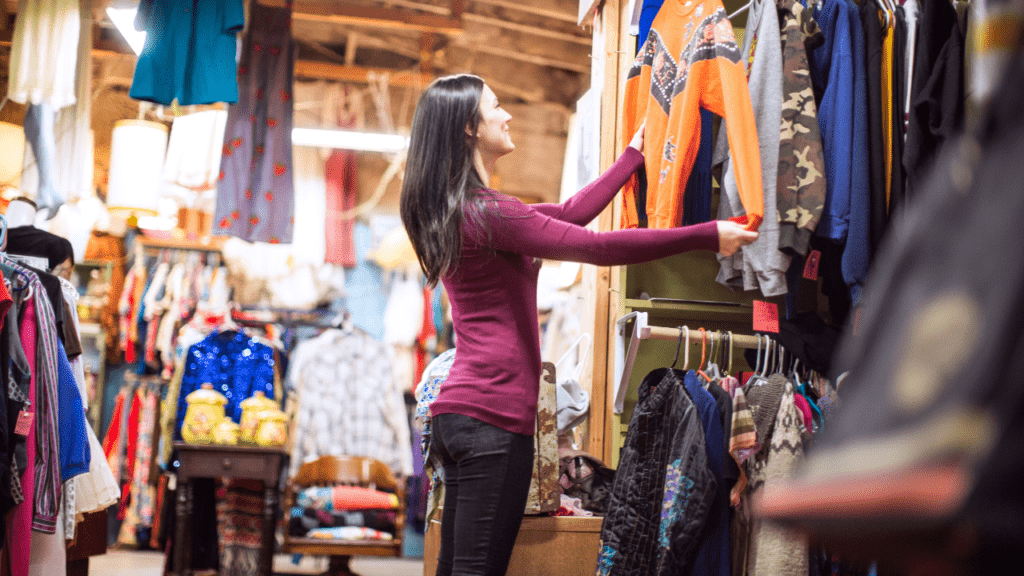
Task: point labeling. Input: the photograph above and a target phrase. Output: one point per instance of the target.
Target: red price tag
(24, 424)
(811, 267)
(766, 317)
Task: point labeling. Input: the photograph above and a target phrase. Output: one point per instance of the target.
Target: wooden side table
(214, 461)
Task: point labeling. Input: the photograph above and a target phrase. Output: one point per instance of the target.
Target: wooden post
(605, 73)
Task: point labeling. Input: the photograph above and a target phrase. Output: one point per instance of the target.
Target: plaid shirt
(348, 401)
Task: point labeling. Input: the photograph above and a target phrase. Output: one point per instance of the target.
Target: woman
(486, 249)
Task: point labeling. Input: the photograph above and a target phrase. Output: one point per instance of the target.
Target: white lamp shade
(12, 151)
(137, 152)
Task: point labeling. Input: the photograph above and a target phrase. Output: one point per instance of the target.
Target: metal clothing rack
(625, 356)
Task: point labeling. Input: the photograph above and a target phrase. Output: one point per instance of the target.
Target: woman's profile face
(493, 138)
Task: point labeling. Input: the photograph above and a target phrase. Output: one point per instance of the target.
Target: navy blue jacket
(857, 252)
(832, 71)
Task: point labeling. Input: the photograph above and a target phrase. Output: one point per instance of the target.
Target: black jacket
(663, 487)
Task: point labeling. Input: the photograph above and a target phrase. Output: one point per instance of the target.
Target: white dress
(97, 489)
(44, 53)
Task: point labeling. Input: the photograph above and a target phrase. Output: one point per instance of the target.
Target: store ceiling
(531, 52)
(527, 50)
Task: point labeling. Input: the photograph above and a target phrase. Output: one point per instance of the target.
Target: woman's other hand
(732, 237)
(638, 139)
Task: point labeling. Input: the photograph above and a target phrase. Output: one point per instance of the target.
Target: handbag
(584, 476)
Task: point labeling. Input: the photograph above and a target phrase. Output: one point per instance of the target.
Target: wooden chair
(348, 471)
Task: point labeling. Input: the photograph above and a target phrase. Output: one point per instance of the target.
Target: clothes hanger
(679, 344)
(10, 268)
(884, 6)
(767, 357)
(801, 387)
(703, 354)
(686, 350)
(780, 358)
(728, 369)
(757, 363)
(742, 9)
(761, 377)
(713, 368)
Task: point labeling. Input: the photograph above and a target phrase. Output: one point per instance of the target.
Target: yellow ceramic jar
(253, 410)
(226, 433)
(205, 412)
(273, 429)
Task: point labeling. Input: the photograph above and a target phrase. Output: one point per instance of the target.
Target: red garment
(342, 194)
(5, 300)
(19, 531)
(112, 439)
(359, 498)
(427, 333)
(805, 409)
(151, 329)
(131, 444)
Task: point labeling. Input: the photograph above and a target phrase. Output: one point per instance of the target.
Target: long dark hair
(440, 178)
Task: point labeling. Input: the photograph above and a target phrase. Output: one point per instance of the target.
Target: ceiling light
(349, 140)
(124, 20)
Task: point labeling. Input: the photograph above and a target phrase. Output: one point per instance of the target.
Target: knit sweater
(689, 60)
(775, 551)
(496, 374)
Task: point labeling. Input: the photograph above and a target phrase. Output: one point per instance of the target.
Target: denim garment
(39, 120)
(487, 473)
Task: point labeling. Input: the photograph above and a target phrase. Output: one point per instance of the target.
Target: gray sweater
(761, 264)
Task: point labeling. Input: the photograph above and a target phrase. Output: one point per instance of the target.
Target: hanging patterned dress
(255, 194)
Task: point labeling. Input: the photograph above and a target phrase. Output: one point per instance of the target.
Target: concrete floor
(133, 563)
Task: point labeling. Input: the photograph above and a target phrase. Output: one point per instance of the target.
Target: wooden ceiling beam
(535, 10)
(486, 48)
(527, 29)
(375, 17)
(358, 74)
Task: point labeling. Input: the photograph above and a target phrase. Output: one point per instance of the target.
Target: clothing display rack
(625, 356)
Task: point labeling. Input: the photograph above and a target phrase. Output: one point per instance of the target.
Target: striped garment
(48, 488)
(742, 441)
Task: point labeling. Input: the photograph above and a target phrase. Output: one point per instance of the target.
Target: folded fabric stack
(345, 513)
(303, 520)
(346, 498)
(349, 533)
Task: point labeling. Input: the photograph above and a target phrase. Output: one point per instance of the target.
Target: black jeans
(487, 472)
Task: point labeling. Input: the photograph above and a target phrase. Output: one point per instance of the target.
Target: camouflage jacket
(800, 189)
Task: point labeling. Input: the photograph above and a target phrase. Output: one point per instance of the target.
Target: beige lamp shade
(395, 251)
(12, 152)
(137, 152)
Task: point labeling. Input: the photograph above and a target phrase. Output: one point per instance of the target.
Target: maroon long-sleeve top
(496, 373)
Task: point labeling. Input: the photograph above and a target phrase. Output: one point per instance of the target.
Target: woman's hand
(732, 237)
(638, 139)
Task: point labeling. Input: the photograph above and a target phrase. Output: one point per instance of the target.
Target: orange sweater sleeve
(725, 92)
(634, 113)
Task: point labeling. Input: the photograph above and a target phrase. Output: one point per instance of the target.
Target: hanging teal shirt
(190, 51)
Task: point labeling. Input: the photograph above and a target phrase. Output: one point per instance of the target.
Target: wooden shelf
(214, 245)
(692, 311)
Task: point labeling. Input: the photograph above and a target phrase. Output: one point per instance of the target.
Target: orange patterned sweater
(690, 60)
